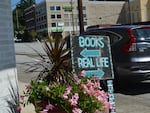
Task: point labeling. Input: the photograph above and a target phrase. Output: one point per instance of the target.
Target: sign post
(92, 54)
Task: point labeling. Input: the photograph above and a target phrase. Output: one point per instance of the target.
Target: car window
(114, 37)
(142, 34)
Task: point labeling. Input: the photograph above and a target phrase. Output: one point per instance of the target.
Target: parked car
(17, 40)
(130, 45)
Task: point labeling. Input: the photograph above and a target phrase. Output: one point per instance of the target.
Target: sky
(14, 2)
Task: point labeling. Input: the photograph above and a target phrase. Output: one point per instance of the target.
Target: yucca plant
(56, 64)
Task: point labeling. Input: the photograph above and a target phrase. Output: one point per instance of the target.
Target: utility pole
(81, 24)
(129, 9)
(72, 15)
(17, 19)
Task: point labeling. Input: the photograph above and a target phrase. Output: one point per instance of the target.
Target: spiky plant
(13, 100)
(56, 64)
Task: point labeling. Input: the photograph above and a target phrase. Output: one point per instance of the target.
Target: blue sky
(13, 2)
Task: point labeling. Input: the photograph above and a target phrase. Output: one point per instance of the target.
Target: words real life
(92, 58)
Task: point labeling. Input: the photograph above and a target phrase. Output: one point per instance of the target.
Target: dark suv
(130, 46)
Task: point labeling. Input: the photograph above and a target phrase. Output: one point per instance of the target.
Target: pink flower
(82, 73)
(22, 97)
(97, 93)
(83, 86)
(85, 89)
(97, 84)
(18, 108)
(65, 96)
(67, 92)
(97, 111)
(107, 106)
(44, 111)
(76, 78)
(74, 99)
(76, 96)
(91, 90)
(28, 87)
(50, 107)
(77, 110)
(90, 83)
(73, 102)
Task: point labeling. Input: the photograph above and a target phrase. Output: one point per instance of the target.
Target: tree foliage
(18, 16)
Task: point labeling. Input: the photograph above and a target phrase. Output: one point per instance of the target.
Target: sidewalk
(29, 108)
(23, 79)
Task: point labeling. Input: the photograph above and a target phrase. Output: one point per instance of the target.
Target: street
(130, 98)
(133, 99)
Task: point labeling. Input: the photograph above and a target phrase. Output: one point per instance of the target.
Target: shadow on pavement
(133, 88)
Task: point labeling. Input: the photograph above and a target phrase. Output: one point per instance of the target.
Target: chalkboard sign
(92, 54)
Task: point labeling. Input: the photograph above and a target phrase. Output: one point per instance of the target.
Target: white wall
(8, 73)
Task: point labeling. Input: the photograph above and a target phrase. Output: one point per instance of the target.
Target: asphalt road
(130, 98)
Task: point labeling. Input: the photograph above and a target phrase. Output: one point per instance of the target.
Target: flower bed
(84, 95)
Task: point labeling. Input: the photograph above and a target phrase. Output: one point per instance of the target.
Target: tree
(18, 16)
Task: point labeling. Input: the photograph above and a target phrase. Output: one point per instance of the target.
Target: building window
(45, 25)
(58, 16)
(42, 26)
(53, 16)
(58, 8)
(84, 8)
(40, 10)
(53, 24)
(52, 8)
(84, 15)
(85, 23)
(45, 17)
(37, 27)
(42, 18)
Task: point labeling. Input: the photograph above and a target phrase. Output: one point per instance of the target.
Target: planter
(56, 111)
(39, 107)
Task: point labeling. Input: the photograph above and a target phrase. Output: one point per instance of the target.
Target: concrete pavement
(23, 79)
(29, 108)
